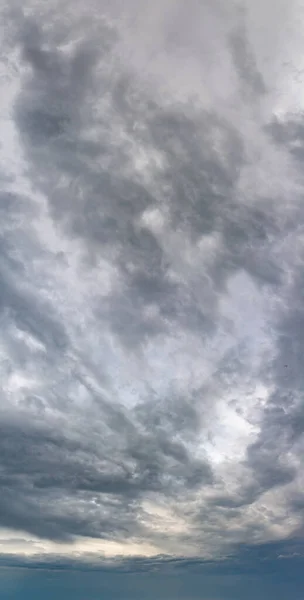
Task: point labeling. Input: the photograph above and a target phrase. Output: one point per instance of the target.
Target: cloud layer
(273, 571)
(151, 278)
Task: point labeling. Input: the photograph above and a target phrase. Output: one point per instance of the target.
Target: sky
(151, 299)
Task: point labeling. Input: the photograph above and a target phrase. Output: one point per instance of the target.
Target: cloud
(151, 282)
(252, 570)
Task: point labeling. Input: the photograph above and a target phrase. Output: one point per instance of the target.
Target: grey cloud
(244, 60)
(102, 206)
(30, 315)
(72, 469)
(41, 466)
(271, 570)
(282, 425)
(259, 558)
(17, 301)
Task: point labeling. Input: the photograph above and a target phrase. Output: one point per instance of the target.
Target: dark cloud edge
(283, 557)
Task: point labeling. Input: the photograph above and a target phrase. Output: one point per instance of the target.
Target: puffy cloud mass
(151, 277)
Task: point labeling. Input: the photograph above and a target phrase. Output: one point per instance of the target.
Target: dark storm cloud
(51, 115)
(102, 205)
(41, 466)
(76, 458)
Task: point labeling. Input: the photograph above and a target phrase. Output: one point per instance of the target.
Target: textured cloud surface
(151, 277)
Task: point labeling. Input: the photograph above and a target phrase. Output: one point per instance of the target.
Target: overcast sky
(152, 298)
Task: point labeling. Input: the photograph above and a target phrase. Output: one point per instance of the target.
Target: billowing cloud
(151, 266)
